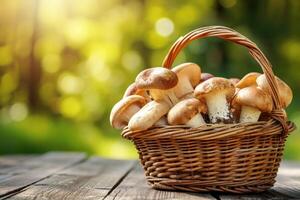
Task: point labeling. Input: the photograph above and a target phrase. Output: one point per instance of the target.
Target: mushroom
(148, 115)
(133, 90)
(285, 92)
(253, 101)
(161, 122)
(216, 92)
(205, 76)
(159, 81)
(234, 81)
(188, 77)
(187, 112)
(248, 80)
(125, 109)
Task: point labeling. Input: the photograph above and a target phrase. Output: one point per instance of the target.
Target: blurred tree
(64, 64)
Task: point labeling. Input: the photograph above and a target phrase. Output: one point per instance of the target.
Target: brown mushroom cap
(285, 92)
(183, 111)
(234, 81)
(254, 97)
(118, 111)
(156, 78)
(215, 84)
(191, 70)
(205, 76)
(133, 90)
(248, 80)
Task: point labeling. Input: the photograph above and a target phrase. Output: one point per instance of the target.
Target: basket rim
(211, 131)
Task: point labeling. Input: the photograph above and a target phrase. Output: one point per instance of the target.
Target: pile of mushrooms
(185, 96)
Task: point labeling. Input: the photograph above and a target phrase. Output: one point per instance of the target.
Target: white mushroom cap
(148, 115)
(248, 80)
(285, 92)
(159, 81)
(188, 77)
(125, 109)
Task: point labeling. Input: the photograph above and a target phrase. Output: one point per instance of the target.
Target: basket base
(201, 188)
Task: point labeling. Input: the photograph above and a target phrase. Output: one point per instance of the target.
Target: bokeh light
(18, 111)
(70, 107)
(69, 83)
(164, 27)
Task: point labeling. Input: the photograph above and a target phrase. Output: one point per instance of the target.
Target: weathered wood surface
(35, 169)
(60, 175)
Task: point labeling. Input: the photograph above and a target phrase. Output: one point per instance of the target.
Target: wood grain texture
(288, 180)
(269, 195)
(73, 176)
(8, 163)
(134, 186)
(33, 170)
(286, 187)
(92, 179)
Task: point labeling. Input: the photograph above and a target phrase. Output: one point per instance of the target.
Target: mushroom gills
(218, 107)
(196, 121)
(249, 114)
(130, 112)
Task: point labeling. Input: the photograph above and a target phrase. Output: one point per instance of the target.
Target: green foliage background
(65, 63)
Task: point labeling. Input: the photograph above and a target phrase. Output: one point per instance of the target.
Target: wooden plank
(56, 176)
(134, 186)
(286, 187)
(36, 169)
(92, 179)
(288, 180)
(272, 195)
(15, 158)
(8, 162)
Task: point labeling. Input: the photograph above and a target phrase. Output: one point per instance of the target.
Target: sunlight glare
(164, 27)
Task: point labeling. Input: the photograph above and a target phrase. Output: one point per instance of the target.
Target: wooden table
(61, 175)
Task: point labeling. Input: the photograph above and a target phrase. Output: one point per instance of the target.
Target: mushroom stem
(165, 95)
(130, 112)
(172, 96)
(196, 121)
(183, 87)
(148, 115)
(249, 114)
(218, 108)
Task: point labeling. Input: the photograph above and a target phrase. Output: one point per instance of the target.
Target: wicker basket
(238, 158)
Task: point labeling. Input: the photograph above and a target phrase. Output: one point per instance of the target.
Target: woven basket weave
(237, 158)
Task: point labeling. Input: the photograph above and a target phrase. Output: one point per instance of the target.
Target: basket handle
(233, 36)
